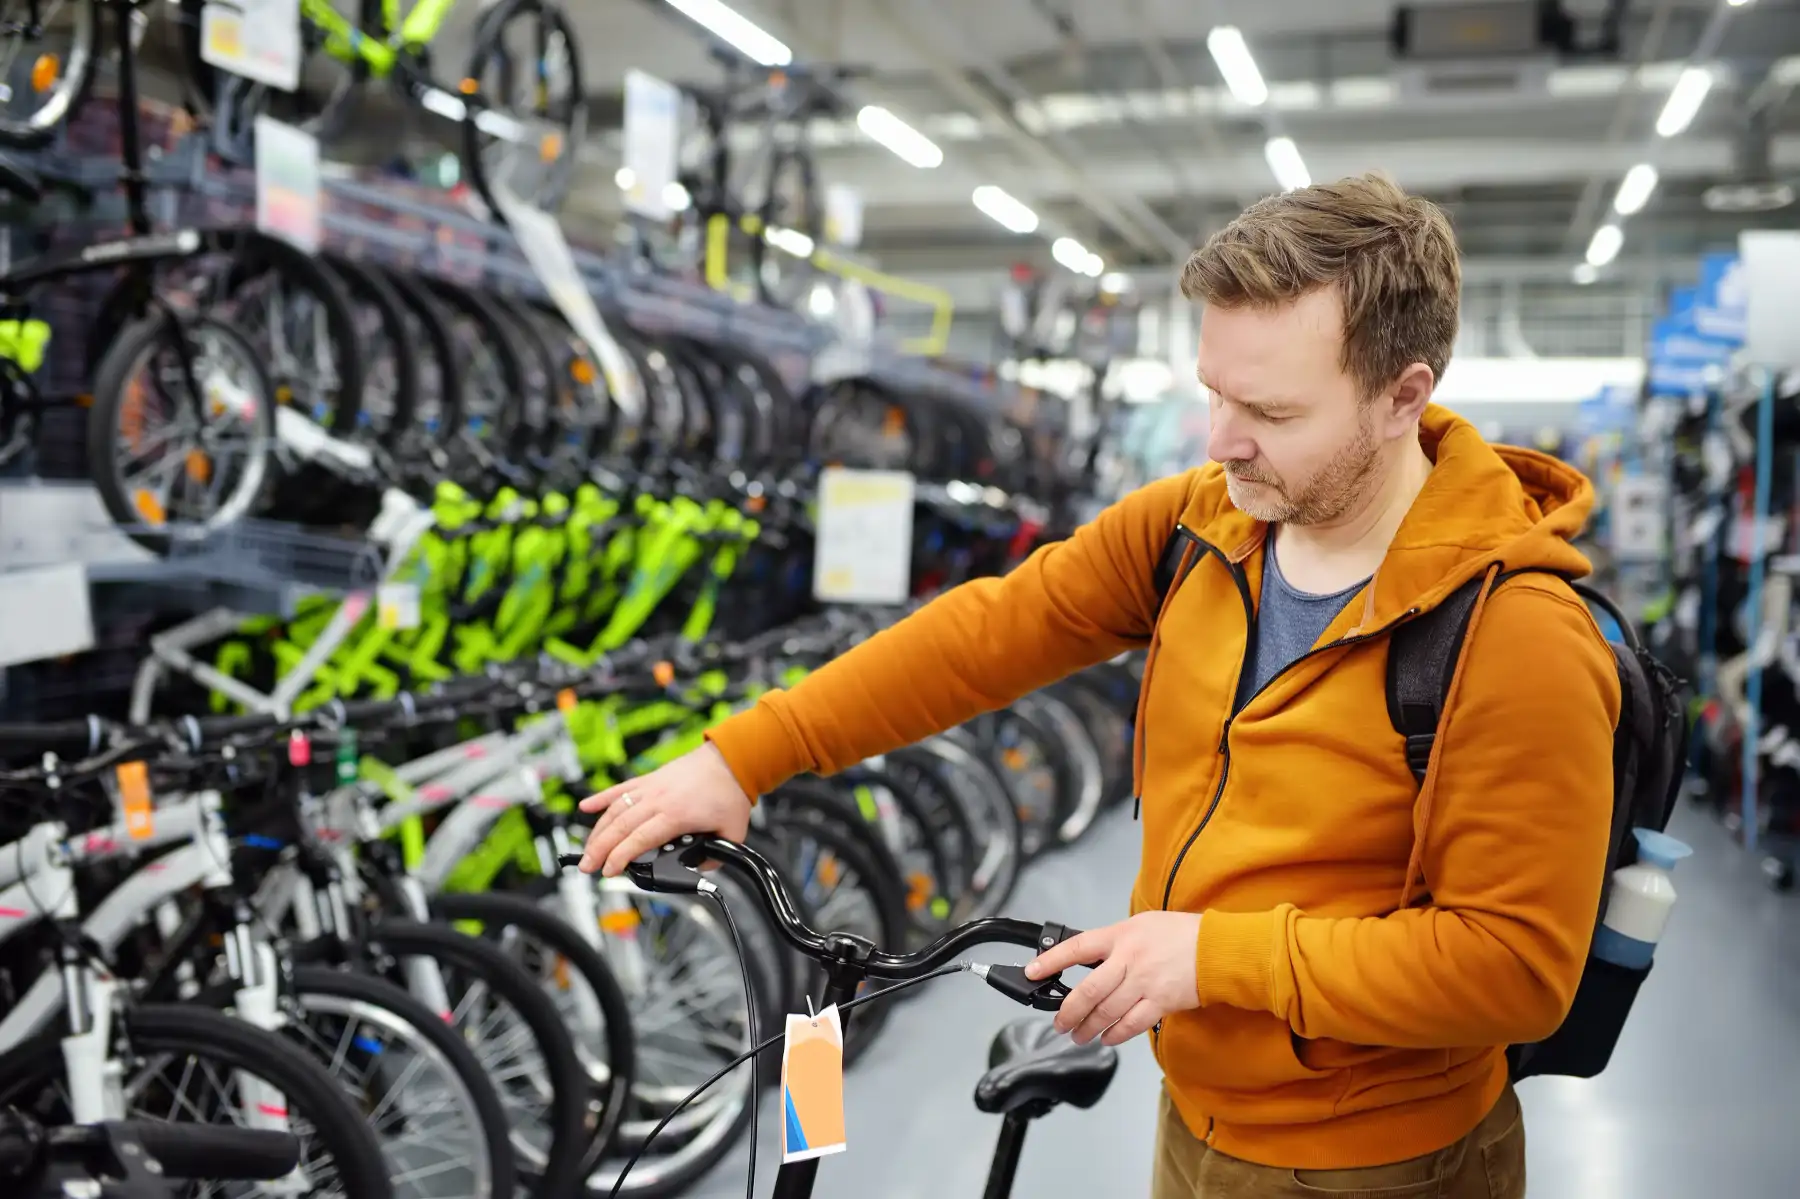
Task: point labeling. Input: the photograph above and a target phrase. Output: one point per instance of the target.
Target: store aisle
(1722, 1014)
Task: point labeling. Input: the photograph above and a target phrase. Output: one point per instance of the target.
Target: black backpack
(1650, 749)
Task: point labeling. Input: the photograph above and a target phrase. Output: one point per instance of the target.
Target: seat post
(1008, 1148)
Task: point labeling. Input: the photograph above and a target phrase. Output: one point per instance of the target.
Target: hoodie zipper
(1243, 582)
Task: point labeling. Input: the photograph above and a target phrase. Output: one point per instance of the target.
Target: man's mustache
(1244, 472)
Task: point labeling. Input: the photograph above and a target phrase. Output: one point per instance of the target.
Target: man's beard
(1331, 492)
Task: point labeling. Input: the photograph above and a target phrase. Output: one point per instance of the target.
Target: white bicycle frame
(43, 863)
(398, 530)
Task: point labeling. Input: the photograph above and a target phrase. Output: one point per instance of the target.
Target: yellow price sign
(225, 35)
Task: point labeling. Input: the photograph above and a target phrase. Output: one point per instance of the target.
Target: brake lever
(662, 870)
(1012, 982)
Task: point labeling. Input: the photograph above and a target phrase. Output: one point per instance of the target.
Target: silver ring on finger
(628, 799)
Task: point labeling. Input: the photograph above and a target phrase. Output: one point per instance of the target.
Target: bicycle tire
(33, 134)
(488, 422)
(1081, 752)
(486, 50)
(797, 274)
(566, 1115)
(133, 348)
(498, 911)
(31, 1066)
(987, 803)
(373, 289)
(377, 993)
(941, 834)
(440, 380)
(256, 253)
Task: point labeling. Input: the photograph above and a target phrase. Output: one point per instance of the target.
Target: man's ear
(1405, 401)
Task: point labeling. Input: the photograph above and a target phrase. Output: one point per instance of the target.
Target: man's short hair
(1391, 256)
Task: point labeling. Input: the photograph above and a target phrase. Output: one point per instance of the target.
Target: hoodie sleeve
(1514, 851)
(977, 647)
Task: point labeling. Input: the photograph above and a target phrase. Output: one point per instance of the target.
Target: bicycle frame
(170, 650)
(421, 26)
(45, 860)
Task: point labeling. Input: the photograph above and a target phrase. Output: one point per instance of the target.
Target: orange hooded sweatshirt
(1367, 947)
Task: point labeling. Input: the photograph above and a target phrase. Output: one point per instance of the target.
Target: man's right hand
(695, 793)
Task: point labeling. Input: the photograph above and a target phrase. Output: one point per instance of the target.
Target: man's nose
(1225, 441)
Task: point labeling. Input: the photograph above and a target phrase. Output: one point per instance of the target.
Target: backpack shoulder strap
(1422, 657)
(1168, 562)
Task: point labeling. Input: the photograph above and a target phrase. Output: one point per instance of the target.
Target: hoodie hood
(1483, 506)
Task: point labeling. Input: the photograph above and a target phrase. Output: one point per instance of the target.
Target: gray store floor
(1722, 1014)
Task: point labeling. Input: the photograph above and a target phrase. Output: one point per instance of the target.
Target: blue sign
(1721, 303)
(1613, 409)
(1683, 357)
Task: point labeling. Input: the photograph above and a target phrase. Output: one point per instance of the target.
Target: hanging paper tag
(398, 606)
(812, 1087)
(258, 39)
(135, 807)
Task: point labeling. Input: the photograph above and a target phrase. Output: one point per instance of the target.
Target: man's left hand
(1146, 971)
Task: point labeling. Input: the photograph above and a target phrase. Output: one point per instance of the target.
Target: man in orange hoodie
(1329, 958)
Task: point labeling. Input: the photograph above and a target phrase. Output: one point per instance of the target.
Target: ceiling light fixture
(736, 30)
(1584, 273)
(1684, 101)
(907, 143)
(1283, 157)
(1007, 210)
(791, 241)
(1115, 283)
(625, 177)
(1604, 246)
(1634, 190)
(675, 196)
(1232, 54)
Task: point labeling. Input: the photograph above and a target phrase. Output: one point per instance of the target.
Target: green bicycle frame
(346, 42)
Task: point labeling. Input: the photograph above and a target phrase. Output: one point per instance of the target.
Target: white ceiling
(1110, 119)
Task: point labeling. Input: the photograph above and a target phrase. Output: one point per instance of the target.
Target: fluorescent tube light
(1071, 254)
(1232, 54)
(1605, 245)
(1634, 190)
(1584, 273)
(1283, 157)
(1684, 101)
(1011, 213)
(625, 177)
(736, 30)
(1117, 283)
(675, 196)
(907, 143)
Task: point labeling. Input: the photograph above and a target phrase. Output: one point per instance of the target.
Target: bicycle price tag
(812, 1087)
(397, 605)
(258, 39)
(287, 184)
(863, 552)
(132, 785)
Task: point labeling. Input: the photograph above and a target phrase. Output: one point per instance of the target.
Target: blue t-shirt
(1289, 622)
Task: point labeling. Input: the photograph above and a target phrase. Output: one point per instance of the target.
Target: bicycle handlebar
(675, 869)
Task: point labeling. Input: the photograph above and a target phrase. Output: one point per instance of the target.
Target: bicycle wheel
(784, 279)
(519, 1039)
(166, 446)
(998, 848)
(527, 64)
(422, 1090)
(1082, 782)
(192, 1047)
(390, 389)
(54, 68)
(578, 981)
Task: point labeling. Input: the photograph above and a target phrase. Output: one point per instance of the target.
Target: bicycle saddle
(1030, 1063)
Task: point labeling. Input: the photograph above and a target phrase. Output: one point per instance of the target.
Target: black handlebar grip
(217, 1154)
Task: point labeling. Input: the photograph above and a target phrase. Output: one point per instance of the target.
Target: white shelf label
(258, 39)
(287, 183)
(44, 614)
(397, 606)
(652, 141)
(864, 552)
